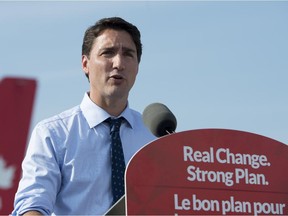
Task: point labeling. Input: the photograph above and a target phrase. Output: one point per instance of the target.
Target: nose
(118, 62)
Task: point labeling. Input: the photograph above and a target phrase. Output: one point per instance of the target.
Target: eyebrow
(125, 49)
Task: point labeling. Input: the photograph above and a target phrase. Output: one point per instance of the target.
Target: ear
(85, 64)
(137, 69)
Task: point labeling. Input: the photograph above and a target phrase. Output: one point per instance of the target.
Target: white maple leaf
(6, 174)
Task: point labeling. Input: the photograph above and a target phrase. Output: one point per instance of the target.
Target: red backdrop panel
(16, 99)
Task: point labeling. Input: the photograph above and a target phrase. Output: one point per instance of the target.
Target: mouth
(117, 77)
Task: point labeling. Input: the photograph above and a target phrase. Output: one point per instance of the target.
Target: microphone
(159, 119)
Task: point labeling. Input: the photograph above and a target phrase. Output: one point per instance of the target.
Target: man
(67, 167)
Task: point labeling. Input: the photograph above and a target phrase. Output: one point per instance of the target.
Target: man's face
(112, 66)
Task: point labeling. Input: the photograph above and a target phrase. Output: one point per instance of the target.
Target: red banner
(209, 171)
(16, 99)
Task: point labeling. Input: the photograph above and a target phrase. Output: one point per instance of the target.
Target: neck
(114, 109)
(113, 106)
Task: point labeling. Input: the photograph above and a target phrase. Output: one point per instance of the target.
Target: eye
(108, 53)
(129, 54)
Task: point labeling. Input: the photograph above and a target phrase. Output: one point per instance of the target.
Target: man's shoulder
(135, 114)
(138, 122)
(61, 118)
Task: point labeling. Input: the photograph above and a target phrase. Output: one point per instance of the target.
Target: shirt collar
(95, 115)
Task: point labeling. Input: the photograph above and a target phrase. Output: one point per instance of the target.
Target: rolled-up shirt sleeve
(41, 177)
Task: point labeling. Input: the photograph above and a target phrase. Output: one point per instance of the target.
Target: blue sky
(215, 64)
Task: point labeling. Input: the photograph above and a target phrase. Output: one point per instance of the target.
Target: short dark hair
(116, 23)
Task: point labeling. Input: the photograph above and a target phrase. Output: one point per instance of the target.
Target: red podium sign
(16, 98)
(209, 171)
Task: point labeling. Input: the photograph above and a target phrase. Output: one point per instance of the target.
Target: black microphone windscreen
(159, 119)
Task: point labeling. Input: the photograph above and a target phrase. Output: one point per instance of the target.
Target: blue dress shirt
(67, 167)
